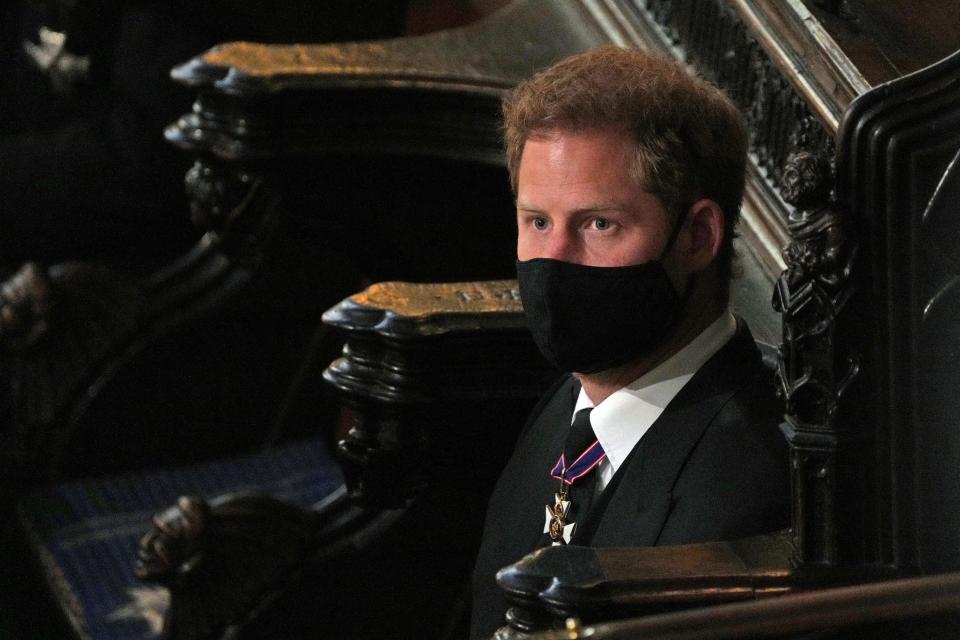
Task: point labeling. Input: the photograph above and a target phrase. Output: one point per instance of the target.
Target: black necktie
(580, 493)
(579, 437)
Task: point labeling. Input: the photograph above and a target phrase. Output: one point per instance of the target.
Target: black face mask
(588, 319)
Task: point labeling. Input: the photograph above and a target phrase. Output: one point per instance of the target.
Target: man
(629, 174)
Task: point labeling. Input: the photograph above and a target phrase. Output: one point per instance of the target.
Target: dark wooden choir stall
(306, 192)
(854, 175)
(159, 358)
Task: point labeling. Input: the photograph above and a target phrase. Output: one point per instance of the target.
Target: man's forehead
(589, 206)
(572, 145)
(605, 155)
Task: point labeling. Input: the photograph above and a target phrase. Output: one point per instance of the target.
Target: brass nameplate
(412, 299)
(256, 59)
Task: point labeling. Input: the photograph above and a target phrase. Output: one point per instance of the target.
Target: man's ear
(700, 239)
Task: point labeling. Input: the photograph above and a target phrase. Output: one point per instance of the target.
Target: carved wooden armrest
(224, 559)
(918, 603)
(436, 94)
(591, 584)
(428, 371)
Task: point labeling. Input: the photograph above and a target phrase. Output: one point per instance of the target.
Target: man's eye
(540, 223)
(601, 224)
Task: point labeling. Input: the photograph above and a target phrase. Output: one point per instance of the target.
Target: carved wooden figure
(813, 370)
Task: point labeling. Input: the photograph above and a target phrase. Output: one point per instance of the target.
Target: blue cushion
(87, 532)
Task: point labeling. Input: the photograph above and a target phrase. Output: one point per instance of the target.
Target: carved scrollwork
(711, 35)
(236, 208)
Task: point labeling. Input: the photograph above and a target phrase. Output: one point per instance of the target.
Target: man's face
(577, 202)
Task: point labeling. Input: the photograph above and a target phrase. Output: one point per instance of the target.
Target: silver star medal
(556, 524)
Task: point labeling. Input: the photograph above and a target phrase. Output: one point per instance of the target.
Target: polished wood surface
(867, 610)
(887, 39)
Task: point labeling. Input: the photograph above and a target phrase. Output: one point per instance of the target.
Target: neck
(697, 315)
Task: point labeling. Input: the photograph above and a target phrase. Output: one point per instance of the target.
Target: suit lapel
(636, 505)
(540, 449)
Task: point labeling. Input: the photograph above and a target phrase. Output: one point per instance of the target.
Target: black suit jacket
(712, 467)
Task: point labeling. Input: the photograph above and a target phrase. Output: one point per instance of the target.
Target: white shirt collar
(622, 418)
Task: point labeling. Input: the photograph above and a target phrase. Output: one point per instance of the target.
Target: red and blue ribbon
(583, 465)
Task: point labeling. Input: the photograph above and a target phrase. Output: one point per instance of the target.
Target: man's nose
(561, 245)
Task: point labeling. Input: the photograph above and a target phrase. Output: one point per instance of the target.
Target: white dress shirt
(623, 417)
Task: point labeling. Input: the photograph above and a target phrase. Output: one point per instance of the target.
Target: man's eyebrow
(602, 206)
(590, 208)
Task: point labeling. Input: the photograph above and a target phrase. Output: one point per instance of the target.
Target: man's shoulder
(558, 398)
(737, 476)
(753, 402)
(747, 423)
(747, 427)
